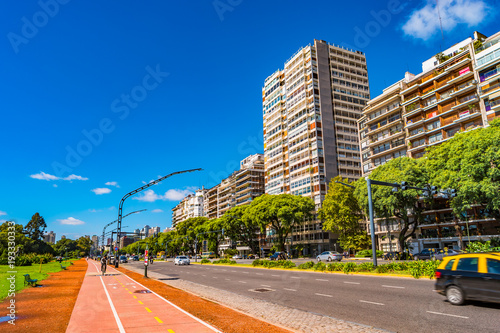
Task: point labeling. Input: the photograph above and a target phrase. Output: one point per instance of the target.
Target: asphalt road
(391, 303)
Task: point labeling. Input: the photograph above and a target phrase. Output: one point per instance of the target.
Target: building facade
(191, 206)
(310, 113)
(457, 91)
(50, 237)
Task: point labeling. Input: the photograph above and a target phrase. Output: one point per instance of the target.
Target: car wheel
(329, 259)
(455, 295)
(318, 259)
(416, 257)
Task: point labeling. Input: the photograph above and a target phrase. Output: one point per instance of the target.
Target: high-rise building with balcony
(310, 113)
(191, 206)
(458, 90)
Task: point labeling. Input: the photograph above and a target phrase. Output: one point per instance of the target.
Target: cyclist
(103, 265)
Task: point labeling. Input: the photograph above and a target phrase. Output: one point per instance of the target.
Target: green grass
(32, 270)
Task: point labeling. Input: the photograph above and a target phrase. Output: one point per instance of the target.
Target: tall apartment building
(49, 237)
(310, 113)
(456, 91)
(191, 206)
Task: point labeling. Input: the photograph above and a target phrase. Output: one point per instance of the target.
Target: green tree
(190, 228)
(239, 227)
(36, 227)
(280, 213)
(469, 163)
(341, 214)
(213, 234)
(63, 246)
(404, 205)
(83, 245)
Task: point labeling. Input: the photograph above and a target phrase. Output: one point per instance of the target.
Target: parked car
(181, 260)
(252, 256)
(474, 276)
(426, 254)
(396, 255)
(237, 256)
(445, 253)
(329, 256)
(123, 259)
(135, 258)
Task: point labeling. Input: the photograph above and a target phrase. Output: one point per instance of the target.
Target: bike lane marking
(153, 306)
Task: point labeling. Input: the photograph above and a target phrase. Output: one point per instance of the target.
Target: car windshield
(181, 257)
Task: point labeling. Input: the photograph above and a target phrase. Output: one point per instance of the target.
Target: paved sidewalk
(116, 303)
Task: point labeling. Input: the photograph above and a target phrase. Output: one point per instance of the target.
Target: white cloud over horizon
(46, 176)
(71, 221)
(115, 184)
(2, 213)
(424, 23)
(157, 211)
(103, 190)
(170, 195)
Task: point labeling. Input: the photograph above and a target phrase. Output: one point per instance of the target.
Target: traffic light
(453, 193)
(404, 186)
(434, 190)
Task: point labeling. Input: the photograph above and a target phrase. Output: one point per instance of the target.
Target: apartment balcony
(420, 133)
(465, 103)
(409, 89)
(384, 126)
(462, 62)
(391, 136)
(414, 111)
(394, 146)
(430, 106)
(411, 99)
(462, 90)
(468, 75)
(483, 62)
(492, 89)
(467, 115)
(410, 124)
(485, 77)
(412, 149)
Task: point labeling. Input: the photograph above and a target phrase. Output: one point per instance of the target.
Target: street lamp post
(154, 182)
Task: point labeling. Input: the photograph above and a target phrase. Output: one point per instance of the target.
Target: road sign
(116, 248)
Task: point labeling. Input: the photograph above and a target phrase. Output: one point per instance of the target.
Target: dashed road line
(276, 275)
(259, 274)
(241, 281)
(323, 295)
(140, 302)
(322, 280)
(348, 282)
(295, 277)
(147, 309)
(447, 314)
(265, 285)
(393, 287)
(289, 289)
(170, 331)
(371, 302)
(245, 272)
(158, 320)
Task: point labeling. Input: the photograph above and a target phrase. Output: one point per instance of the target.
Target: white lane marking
(233, 272)
(323, 295)
(351, 282)
(371, 302)
(245, 272)
(393, 287)
(275, 275)
(214, 277)
(117, 319)
(259, 274)
(265, 285)
(446, 314)
(203, 275)
(172, 304)
(241, 281)
(228, 279)
(295, 277)
(321, 280)
(114, 287)
(289, 289)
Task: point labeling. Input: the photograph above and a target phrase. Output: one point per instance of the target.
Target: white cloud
(99, 191)
(112, 184)
(45, 176)
(55, 185)
(94, 210)
(2, 213)
(424, 22)
(71, 221)
(172, 195)
(157, 211)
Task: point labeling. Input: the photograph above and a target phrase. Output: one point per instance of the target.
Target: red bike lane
(117, 303)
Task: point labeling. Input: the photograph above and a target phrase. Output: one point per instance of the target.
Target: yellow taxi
(474, 276)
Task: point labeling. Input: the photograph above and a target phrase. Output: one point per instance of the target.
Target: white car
(329, 256)
(181, 260)
(237, 256)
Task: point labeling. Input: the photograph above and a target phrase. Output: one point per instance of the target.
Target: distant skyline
(99, 98)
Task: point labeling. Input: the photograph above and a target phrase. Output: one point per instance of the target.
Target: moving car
(277, 256)
(135, 258)
(474, 276)
(181, 260)
(123, 259)
(237, 256)
(426, 254)
(329, 256)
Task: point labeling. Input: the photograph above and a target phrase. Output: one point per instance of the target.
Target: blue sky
(98, 98)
